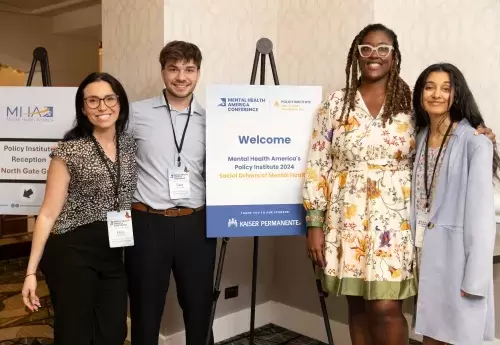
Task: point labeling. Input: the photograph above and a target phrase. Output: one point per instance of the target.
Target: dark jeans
(164, 244)
(88, 287)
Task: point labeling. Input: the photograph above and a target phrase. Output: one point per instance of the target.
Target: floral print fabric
(420, 196)
(357, 187)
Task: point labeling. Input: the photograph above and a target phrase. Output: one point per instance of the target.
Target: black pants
(88, 287)
(163, 244)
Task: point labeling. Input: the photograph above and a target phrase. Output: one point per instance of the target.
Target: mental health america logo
(242, 104)
(30, 113)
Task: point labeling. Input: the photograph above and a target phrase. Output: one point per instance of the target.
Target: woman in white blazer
(452, 210)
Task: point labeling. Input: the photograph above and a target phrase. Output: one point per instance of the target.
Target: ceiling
(44, 7)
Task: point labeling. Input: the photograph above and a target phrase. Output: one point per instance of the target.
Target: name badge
(120, 229)
(178, 182)
(422, 221)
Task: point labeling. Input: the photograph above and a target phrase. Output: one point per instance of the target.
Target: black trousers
(88, 287)
(164, 244)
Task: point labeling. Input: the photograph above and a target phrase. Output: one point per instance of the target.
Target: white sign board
(257, 140)
(32, 120)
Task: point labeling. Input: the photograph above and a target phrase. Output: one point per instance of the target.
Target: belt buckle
(173, 212)
(178, 212)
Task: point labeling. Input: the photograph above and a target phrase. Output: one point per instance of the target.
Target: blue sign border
(255, 220)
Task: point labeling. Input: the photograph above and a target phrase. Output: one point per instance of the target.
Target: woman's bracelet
(30, 274)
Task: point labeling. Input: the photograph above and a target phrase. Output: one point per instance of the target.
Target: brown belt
(171, 212)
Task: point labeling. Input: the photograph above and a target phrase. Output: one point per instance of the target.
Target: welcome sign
(32, 121)
(257, 140)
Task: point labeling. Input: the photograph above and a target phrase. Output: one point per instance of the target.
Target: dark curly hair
(398, 98)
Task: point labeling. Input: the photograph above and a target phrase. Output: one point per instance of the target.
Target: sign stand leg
(254, 287)
(322, 294)
(264, 47)
(220, 266)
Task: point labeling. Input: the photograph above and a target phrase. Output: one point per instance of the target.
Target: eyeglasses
(93, 102)
(383, 50)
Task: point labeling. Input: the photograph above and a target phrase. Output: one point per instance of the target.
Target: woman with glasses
(84, 220)
(357, 190)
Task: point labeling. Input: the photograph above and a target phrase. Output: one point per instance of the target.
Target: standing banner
(32, 121)
(257, 140)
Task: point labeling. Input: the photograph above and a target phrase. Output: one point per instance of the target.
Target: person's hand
(316, 246)
(488, 132)
(30, 298)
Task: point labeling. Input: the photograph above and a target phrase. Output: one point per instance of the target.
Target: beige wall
(132, 36)
(311, 41)
(428, 31)
(70, 58)
(462, 32)
(226, 32)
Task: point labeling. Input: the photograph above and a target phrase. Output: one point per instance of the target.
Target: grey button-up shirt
(157, 154)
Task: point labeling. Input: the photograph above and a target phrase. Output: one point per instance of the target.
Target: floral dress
(357, 188)
(420, 182)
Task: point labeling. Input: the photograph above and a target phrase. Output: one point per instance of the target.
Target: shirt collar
(159, 101)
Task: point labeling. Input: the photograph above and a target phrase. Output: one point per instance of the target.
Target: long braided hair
(398, 97)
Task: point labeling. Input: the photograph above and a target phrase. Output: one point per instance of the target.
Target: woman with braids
(357, 190)
(452, 212)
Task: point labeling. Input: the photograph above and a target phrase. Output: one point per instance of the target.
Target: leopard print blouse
(91, 192)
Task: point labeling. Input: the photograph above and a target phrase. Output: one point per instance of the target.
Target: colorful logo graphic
(30, 113)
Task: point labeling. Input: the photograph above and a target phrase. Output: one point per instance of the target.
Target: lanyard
(116, 183)
(179, 147)
(426, 164)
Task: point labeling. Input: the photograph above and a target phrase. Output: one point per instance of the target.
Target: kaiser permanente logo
(245, 104)
(233, 223)
(291, 104)
(30, 113)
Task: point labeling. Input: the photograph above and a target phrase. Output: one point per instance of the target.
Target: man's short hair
(180, 51)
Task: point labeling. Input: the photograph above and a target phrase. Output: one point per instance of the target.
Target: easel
(264, 47)
(40, 54)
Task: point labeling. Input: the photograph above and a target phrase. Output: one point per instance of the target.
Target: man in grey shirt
(168, 210)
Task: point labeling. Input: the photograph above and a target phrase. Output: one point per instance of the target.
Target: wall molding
(300, 321)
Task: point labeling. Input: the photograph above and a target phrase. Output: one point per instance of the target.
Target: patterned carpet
(272, 335)
(275, 335)
(19, 326)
